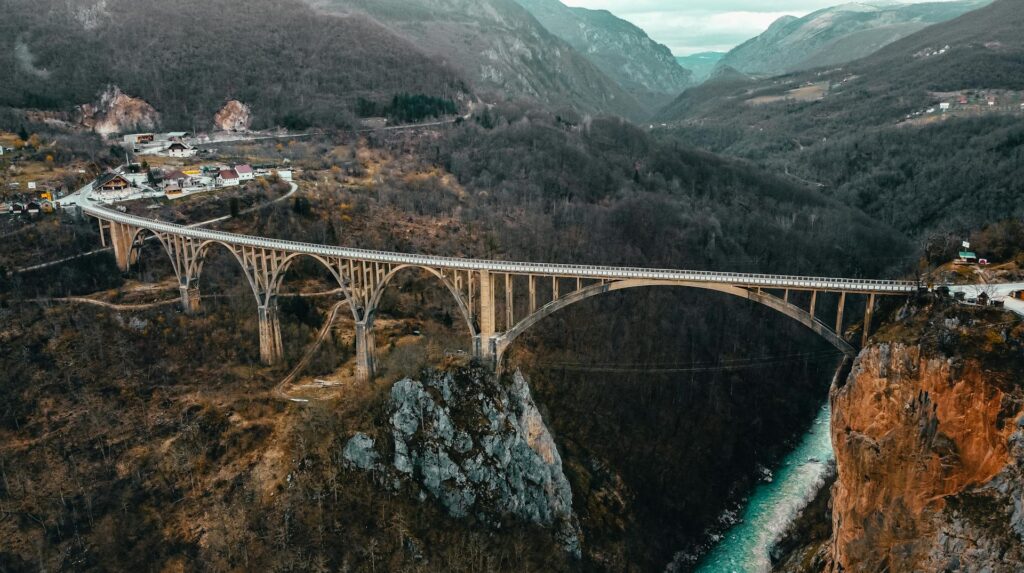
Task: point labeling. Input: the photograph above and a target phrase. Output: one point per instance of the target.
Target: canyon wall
(928, 431)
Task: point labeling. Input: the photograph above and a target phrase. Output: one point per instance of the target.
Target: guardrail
(539, 269)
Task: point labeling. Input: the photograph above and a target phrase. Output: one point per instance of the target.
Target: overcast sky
(689, 26)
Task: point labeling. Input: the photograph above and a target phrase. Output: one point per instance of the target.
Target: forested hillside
(502, 49)
(872, 134)
(838, 35)
(188, 57)
(621, 50)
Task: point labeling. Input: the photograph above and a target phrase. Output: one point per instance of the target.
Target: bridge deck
(750, 280)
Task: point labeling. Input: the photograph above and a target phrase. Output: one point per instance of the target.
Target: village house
(245, 172)
(111, 183)
(228, 178)
(180, 150)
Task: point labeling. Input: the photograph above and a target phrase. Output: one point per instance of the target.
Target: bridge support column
(121, 238)
(365, 367)
(483, 346)
(190, 298)
(271, 347)
(867, 319)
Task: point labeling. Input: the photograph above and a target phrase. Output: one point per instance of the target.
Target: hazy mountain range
(837, 35)
(701, 64)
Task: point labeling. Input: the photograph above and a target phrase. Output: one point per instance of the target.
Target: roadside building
(111, 183)
(136, 139)
(967, 258)
(944, 106)
(228, 178)
(180, 150)
(245, 172)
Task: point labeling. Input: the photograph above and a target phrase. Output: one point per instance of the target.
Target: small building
(111, 183)
(138, 139)
(228, 178)
(983, 299)
(285, 174)
(245, 172)
(944, 106)
(967, 258)
(179, 149)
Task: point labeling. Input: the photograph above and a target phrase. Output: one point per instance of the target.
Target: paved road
(81, 193)
(752, 280)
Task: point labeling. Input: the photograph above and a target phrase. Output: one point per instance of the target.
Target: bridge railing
(540, 269)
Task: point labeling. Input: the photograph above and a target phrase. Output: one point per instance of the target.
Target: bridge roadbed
(747, 280)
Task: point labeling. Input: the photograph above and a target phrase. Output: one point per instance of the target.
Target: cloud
(688, 26)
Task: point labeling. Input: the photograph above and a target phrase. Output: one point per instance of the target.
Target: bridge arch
(138, 239)
(504, 340)
(195, 266)
(460, 301)
(277, 278)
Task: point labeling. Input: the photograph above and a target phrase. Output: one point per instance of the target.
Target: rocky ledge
(477, 445)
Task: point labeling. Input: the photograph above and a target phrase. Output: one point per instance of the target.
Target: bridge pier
(483, 345)
(271, 346)
(365, 367)
(190, 299)
(122, 238)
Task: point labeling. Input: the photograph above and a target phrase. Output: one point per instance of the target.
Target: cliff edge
(928, 431)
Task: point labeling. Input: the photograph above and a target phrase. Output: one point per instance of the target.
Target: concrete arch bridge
(498, 300)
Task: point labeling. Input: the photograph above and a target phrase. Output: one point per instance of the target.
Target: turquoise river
(774, 505)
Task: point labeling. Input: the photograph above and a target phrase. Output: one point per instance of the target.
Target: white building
(228, 178)
(944, 106)
(180, 150)
(245, 172)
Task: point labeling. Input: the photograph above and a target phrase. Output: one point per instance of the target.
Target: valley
(507, 286)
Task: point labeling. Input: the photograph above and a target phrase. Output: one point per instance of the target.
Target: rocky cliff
(929, 438)
(117, 112)
(477, 446)
(234, 116)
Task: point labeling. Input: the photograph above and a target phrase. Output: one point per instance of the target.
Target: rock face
(476, 445)
(929, 439)
(234, 116)
(117, 112)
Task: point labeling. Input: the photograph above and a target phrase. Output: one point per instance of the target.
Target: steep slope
(701, 64)
(837, 35)
(621, 50)
(872, 133)
(187, 58)
(502, 48)
(928, 430)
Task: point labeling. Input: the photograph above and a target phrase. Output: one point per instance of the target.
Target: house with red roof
(228, 178)
(245, 172)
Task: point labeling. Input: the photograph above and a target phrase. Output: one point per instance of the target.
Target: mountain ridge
(838, 34)
(502, 48)
(622, 50)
